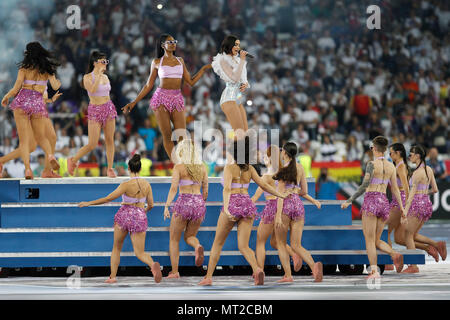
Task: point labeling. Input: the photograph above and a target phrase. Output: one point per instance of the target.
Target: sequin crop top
(127, 199)
(38, 82)
(170, 72)
(102, 90)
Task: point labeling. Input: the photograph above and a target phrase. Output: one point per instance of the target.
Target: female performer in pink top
(101, 112)
(37, 68)
(167, 101)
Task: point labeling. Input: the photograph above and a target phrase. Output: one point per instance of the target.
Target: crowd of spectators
(319, 75)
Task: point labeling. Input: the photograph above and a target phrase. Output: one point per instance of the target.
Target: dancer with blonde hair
(188, 212)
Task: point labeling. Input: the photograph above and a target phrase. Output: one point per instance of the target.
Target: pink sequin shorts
(131, 218)
(375, 204)
(270, 210)
(102, 113)
(241, 206)
(189, 207)
(394, 202)
(171, 100)
(30, 102)
(421, 207)
(293, 207)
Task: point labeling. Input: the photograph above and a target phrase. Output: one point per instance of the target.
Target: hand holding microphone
(243, 54)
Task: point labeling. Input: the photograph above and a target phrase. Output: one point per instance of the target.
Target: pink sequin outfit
(293, 207)
(131, 218)
(241, 206)
(190, 207)
(30, 102)
(421, 207)
(394, 202)
(375, 204)
(270, 210)
(171, 99)
(102, 113)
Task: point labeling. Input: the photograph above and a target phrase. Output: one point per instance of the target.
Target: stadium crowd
(319, 75)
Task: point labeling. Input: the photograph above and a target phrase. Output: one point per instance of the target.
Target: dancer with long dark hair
(101, 112)
(49, 133)
(238, 208)
(189, 210)
(418, 205)
(375, 208)
(231, 66)
(397, 153)
(167, 101)
(265, 229)
(30, 113)
(131, 218)
(290, 213)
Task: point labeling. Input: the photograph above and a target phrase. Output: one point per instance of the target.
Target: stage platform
(42, 226)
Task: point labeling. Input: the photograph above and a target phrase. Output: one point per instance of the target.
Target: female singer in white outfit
(232, 69)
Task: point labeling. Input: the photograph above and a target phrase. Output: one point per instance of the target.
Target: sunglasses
(171, 42)
(103, 61)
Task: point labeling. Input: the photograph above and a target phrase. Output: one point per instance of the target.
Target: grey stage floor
(432, 283)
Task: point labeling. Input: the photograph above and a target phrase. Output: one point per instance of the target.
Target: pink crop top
(235, 185)
(175, 72)
(183, 182)
(38, 82)
(102, 90)
(128, 199)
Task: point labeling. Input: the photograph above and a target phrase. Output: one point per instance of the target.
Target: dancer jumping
(167, 101)
(30, 113)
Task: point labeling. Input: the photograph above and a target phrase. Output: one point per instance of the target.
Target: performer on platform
(231, 66)
(265, 228)
(418, 205)
(189, 210)
(290, 213)
(131, 218)
(238, 208)
(30, 113)
(375, 208)
(101, 112)
(51, 136)
(397, 153)
(167, 101)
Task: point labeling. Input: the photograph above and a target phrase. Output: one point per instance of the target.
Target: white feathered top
(230, 69)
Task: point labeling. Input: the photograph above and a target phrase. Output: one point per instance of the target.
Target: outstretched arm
(15, 90)
(362, 188)
(264, 185)
(110, 197)
(193, 80)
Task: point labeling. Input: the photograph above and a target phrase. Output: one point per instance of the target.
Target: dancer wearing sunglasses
(30, 113)
(231, 66)
(375, 208)
(167, 101)
(101, 112)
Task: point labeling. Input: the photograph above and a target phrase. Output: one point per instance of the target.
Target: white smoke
(17, 21)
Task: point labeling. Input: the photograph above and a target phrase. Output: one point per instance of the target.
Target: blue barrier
(41, 225)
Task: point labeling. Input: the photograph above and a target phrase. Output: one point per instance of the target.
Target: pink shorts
(102, 113)
(171, 100)
(30, 102)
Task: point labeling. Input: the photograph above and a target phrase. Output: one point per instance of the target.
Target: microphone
(248, 55)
